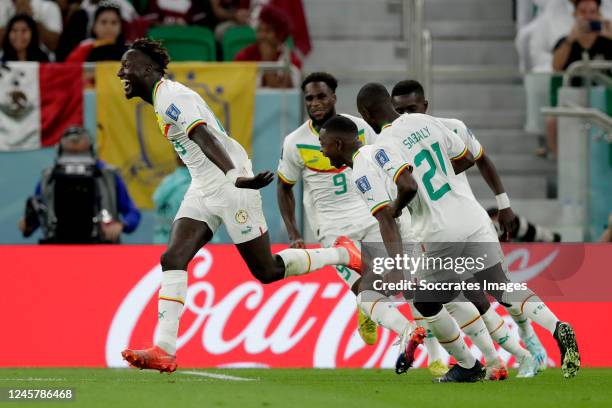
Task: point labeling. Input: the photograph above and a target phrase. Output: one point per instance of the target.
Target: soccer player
(409, 97)
(340, 144)
(223, 190)
(335, 208)
(446, 212)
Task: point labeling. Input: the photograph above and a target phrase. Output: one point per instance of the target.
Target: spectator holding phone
(590, 34)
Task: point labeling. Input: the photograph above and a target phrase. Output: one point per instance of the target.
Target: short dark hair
(372, 95)
(328, 79)
(407, 87)
(340, 124)
(154, 50)
(576, 2)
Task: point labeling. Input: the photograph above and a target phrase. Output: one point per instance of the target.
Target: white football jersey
(376, 185)
(179, 110)
(442, 211)
(336, 204)
(473, 146)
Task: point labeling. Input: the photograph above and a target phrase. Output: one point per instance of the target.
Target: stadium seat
(235, 39)
(186, 43)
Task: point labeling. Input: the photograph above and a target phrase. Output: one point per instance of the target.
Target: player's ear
(334, 98)
(426, 104)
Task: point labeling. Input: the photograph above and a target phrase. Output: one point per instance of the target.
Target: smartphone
(595, 26)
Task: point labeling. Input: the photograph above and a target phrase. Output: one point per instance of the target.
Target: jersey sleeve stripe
(194, 124)
(460, 155)
(480, 153)
(400, 171)
(379, 206)
(285, 179)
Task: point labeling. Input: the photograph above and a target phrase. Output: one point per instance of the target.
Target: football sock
(434, 350)
(448, 334)
(501, 334)
(169, 307)
(302, 261)
(469, 320)
(382, 310)
(525, 328)
(533, 308)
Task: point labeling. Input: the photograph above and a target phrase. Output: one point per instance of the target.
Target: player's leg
(501, 333)
(526, 304)
(436, 360)
(186, 238)
(472, 324)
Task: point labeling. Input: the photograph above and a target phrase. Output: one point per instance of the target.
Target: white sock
(533, 308)
(525, 329)
(302, 261)
(501, 334)
(434, 350)
(169, 307)
(382, 310)
(469, 320)
(446, 330)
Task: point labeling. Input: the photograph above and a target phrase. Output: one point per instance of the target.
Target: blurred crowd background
(531, 78)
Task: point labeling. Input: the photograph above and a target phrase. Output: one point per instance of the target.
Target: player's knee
(171, 260)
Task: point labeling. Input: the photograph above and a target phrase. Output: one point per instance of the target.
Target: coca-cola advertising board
(74, 306)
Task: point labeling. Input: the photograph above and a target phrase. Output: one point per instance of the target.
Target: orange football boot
(153, 358)
(354, 253)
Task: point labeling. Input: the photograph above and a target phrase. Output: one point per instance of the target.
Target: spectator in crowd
(590, 33)
(46, 14)
(229, 13)
(107, 42)
(167, 198)
(80, 199)
(21, 41)
(540, 36)
(186, 12)
(76, 21)
(273, 29)
(126, 9)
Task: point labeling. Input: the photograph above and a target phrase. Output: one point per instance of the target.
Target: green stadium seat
(186, 43)
(235, 39)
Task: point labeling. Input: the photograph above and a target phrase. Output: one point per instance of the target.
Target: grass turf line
(113, 388)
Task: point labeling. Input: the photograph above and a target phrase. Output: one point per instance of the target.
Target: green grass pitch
(338, 388)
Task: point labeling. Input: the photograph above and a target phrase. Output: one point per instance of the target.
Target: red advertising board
(81, 305)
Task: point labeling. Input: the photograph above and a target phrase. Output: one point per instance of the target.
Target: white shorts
(369, 233)
(482, 246)
(239, 209)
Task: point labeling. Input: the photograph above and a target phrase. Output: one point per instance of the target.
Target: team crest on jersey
(381, 158)
(173, 112)
(363, 184)
(242, 216)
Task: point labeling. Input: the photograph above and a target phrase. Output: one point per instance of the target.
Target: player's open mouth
(127, 87)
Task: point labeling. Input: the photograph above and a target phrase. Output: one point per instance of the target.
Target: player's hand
(508, 223)
(297, 243)
(255, 183)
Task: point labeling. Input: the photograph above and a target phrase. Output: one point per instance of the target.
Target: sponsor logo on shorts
(247, 230)
(242, 216)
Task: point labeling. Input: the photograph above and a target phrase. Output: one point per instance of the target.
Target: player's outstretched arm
(216, 153)
(407, 188)
(464, 162)
(286, 204)
(507, 219)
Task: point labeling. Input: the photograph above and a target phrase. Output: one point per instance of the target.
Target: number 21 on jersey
(424, 156)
